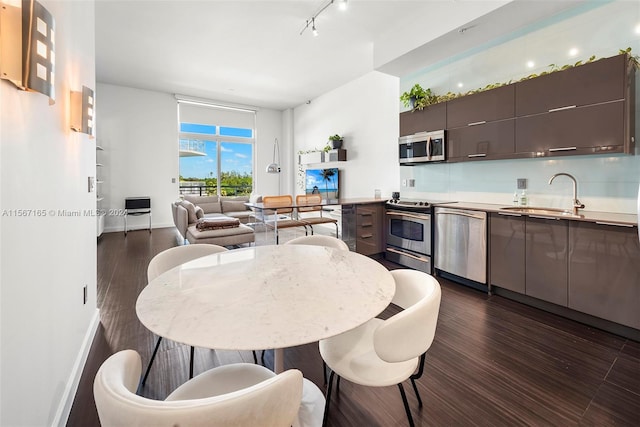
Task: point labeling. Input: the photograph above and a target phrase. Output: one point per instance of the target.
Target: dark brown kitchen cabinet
(369, 228)
(433, 117)
(507, 251)
(481, 107)
(490, 140)
(604, 272)
(546, 260)
(581, 130)
(593, 83)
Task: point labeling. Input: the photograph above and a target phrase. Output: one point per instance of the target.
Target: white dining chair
(165, 261)
(319, 240)
(387, 352)
(241, 395)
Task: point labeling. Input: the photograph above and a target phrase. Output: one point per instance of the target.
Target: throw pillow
(199, 212)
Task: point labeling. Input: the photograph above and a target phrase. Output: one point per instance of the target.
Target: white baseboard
(120, 228)
(64, 409)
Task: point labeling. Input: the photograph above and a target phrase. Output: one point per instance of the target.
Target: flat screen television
(325, 182)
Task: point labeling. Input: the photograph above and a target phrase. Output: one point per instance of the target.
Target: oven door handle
(408, 215)
(407, 254)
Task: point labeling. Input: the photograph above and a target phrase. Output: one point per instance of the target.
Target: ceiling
(252, 52)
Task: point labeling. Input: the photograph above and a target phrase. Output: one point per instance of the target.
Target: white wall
(269, 127)
(605, 183)
(365, 112)
(47, 259)
(139, 133)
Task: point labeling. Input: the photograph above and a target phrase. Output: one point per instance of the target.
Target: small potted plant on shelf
(335, 141)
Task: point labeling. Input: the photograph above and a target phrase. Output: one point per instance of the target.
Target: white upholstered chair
(242, 395)
(319, 240)
(387, 352)
(165, 261)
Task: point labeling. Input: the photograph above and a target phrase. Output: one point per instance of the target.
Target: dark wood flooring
(494, 362)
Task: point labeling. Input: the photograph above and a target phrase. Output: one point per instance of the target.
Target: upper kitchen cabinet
(592, 83)
(482, 107)
(481, 126)
(587, 109)
(430, 118)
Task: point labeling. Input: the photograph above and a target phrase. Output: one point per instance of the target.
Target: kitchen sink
(541, 211)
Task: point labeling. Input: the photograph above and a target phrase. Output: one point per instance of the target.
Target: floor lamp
(274, 167)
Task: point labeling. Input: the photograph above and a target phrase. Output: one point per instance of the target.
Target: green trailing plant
(635, 59)
(424, 97)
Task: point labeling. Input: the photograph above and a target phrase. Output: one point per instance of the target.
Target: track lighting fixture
(311, 22)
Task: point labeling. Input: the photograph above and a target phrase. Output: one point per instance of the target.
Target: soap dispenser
(524, 199)
(516, 199)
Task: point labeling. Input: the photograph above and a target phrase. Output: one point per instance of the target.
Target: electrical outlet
(412, 183)
(173, 180)
(85, 294)
(522, 183)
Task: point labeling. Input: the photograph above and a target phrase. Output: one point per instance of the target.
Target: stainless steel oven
(408, 227)
(422, 147)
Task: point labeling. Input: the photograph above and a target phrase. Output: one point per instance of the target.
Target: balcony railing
(207, 190)
(192, 147)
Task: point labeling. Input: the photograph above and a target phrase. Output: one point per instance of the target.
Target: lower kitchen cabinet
(604, 272)
(546, 260)
(507, 251)
(369, 228)
(529, 256)
(587, 267)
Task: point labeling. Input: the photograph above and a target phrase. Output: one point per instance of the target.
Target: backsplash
(605, 183)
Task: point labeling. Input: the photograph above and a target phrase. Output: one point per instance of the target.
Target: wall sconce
(82, 111)
(27, 57)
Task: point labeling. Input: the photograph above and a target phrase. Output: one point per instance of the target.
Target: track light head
(342, 5)
(313, 27)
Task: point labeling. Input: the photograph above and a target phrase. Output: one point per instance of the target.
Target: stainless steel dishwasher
(460, 245)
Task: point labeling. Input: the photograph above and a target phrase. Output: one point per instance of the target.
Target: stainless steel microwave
(422, 147)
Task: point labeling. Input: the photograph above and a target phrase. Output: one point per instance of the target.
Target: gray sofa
(185, 216)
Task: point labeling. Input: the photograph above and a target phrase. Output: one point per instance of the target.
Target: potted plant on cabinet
(335, 141)
(417, 98)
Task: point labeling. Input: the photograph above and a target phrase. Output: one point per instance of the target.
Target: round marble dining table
(265, 297)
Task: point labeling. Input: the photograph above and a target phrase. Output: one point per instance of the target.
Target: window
(216, 150)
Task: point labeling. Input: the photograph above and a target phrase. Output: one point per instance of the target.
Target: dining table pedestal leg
(278, 360)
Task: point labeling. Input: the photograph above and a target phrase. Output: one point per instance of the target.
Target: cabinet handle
(477, 155)
(366, 236)
(461, 214)
(477, 123)
(568, 107)
(615, 224)
(543, 217)
(551, 150)
(508, 214)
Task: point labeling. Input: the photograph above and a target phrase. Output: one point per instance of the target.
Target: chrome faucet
(576, 203)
